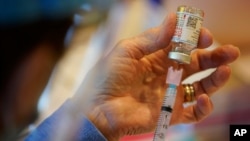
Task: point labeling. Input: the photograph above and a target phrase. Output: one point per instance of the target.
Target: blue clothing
(47, 130)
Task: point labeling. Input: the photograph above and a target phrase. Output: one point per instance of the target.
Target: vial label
(187, 29)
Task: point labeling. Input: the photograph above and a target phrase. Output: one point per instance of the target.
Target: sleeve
(62, 126)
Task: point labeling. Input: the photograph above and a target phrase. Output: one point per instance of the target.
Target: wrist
(95, 112)
(102, 123)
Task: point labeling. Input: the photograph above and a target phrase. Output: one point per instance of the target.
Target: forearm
(66, 124)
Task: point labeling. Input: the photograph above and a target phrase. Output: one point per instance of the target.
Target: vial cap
(179, 57)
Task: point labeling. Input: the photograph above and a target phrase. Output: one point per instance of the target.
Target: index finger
(205, 38)
(205, 59)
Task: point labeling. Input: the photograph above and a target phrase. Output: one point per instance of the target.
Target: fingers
(220, 56)
(205, 38)
(204, 59)
(202, 108)
(158, 38)
(198, 111)
(203, 89)
(213, 82)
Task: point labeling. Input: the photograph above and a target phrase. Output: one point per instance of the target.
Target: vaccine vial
(185, 39)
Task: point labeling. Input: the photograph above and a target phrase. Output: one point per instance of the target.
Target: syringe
(173, 80)
(185, 39)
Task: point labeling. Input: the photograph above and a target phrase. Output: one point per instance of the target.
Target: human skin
(123, 92)
(224, 16)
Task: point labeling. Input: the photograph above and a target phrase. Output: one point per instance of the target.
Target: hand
(126, 87)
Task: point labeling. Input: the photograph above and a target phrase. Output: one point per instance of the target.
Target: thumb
(166, 32)
(153, 39)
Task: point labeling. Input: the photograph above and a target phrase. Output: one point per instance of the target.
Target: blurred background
(101, 25)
